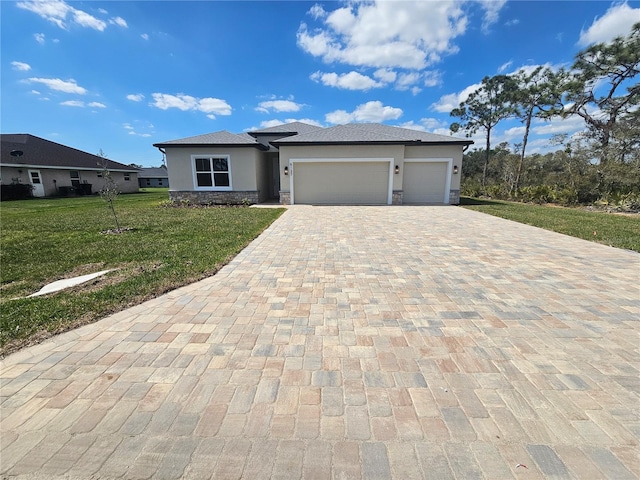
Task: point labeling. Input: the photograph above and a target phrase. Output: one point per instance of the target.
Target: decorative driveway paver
(351, 342)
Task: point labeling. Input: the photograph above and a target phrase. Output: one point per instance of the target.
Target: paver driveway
(351, 342)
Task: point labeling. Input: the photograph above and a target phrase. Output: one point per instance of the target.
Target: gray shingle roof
(45, 153)
(293, 127)
(222, 138)
(369, 133)
(156, 172)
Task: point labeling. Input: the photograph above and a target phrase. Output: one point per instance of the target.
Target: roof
(153, 172)
(287, 128)
(221, 138)
(39, 152)
(372, 133)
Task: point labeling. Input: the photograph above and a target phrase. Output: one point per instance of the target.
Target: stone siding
(396, 197)
(214, 198)
(285, 198)
(454, 197)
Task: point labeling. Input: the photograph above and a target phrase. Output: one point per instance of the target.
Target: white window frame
(215, 188)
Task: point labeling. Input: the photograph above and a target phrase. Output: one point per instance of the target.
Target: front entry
(36, 181)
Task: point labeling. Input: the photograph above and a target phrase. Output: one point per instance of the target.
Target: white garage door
(425, 182)
(344, 182)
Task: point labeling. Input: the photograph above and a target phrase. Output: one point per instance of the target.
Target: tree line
(601, 164)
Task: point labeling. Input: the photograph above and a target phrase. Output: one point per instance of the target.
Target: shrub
(16, 191)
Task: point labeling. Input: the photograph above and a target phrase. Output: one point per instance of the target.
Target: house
(297, 163)
(153, 177)
(54, 169)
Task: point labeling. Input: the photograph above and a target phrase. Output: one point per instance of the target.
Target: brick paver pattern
(351, 342)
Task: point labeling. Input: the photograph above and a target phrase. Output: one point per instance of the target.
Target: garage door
(425, 182)
(349, 183)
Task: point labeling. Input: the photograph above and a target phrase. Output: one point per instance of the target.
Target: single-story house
(297, 163)
(54, 169)
(153, 177)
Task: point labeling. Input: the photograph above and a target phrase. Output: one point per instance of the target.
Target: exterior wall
(340, 151)
(242, 163)
(53, 179)
(263, 177)
(153, 182)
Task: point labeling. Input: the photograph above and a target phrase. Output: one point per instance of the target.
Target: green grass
(45, 240)
(621, 231)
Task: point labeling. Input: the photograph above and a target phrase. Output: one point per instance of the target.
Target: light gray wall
(242, 163)
(63, 179)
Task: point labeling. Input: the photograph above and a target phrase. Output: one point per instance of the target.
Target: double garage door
(367, 181)
(349, 182)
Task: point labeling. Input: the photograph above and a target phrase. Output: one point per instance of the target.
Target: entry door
(36, 180)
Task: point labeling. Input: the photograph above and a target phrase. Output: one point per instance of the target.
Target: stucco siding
(242, 163)
(53, 179)
(263, 177)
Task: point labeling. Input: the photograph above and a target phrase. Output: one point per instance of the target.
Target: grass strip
(616, 230)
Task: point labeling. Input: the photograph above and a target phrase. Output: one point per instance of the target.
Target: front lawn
(45, 240)
(616, 230)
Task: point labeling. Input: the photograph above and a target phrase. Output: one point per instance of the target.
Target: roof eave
(278, 144)
(259, 146)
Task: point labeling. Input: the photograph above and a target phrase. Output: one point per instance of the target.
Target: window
(99, 173)
(127, 177)
(212, 172)
(148, 182)
(75, 178)
(159, 182)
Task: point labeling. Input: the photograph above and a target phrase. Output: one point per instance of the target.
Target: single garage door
(424, 182)
(344, 182)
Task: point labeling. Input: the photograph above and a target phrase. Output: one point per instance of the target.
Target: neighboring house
(153, 177)
(53, 169)
(297, 163)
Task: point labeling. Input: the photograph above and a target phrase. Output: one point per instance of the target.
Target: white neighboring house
(54, 169)
(297, 163)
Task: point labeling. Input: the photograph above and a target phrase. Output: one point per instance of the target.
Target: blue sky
(120, 76)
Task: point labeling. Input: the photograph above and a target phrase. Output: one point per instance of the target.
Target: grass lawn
(45, 240)
(621, 231)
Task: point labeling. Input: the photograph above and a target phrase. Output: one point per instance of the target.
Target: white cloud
(387, 34)
(504, 66)
(73, 103)
(279, 106)
(432, 78)
(347, 81)
(512, 23)
(559, 125)
(67, 86)
(132, 131)
(21, 66)
(121, 22)
(317, 11)
(184, 102)
(35, 92)
(406, 80)
(103, 11)
(97, 105)
(275, 122)
(514, 132)
(145, 36)
(491, 13)
(425, 125)
(39, 38)
(135, 97)
(617, 21)
(448, 102)
(373, 111)
(62, 14)
(385, 75)
(85, 20)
